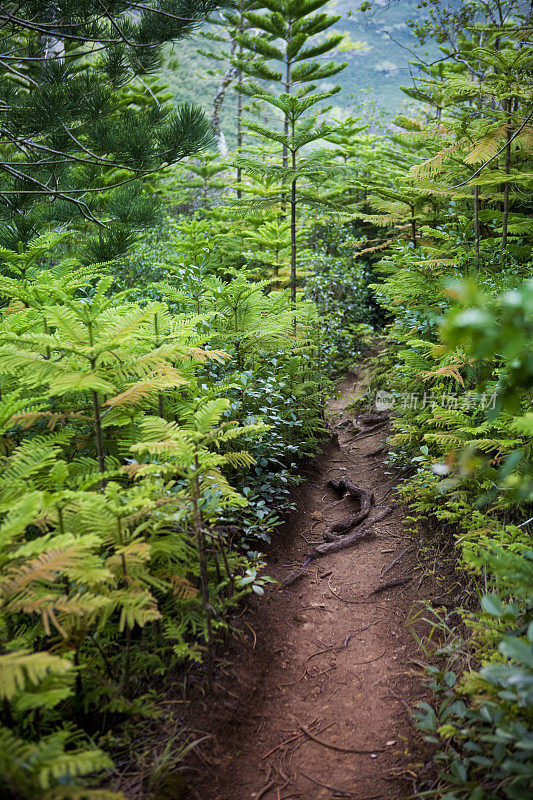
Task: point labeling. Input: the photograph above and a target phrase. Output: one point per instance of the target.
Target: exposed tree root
(332, 547)
(365, 500)
(350, 540)
(338, 792)
(390, 585)
(338, 747)
(398, 558)
(292, 578)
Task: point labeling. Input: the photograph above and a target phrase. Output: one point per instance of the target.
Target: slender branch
(500, 151)
(49, 29)
(114, 24)
(18, 74)
(83, 207)
(162, 13)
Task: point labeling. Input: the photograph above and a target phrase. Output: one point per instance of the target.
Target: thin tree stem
(242, 25)
(204, 577)
(293, 241)
(98, 434)
(125, 682)
(222, 549)
(413, 226)
(160, 404)
(505, 219)
(476, 219)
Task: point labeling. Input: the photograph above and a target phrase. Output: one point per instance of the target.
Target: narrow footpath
(314, 698)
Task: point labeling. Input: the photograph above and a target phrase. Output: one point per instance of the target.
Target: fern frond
(208, 415)
(434, 165)
(21, 669)
(45, 567)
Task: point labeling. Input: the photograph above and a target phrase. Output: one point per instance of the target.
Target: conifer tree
(200, 181)
(63, 68)
(353, 147)
(290, 57)
(289, 54)
(488, 126)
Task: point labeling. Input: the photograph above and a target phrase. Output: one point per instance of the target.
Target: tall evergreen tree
(489, 112)
(289, 53)
(290, 60)
(66, 132)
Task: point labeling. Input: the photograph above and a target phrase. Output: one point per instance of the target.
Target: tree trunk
(293, 228)
(242, 27)
(98, 433)
(476, 219)
(53, 48)
(204, 577)
(285, 152)
(160, 404)
(286, 120)
(293, 240)
(505, 219)
(226, 81)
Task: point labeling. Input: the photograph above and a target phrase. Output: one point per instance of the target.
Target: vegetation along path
(315, 702)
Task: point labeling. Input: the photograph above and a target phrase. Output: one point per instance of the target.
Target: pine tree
(362, 151)
(66, 135)
(200, 182)
(488, 92)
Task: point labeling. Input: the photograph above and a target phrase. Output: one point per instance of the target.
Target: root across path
(315, 696)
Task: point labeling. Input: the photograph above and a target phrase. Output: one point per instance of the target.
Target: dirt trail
(309, 664)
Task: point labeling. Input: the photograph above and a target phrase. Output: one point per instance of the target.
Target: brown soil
(310, 664)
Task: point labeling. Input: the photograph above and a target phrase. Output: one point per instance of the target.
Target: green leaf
(492, 604)
(450, 678)
(517, 649)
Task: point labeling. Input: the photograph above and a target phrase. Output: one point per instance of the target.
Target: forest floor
(314, 697)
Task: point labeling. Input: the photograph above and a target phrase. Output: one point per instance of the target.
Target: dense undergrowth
(458, 376)
(148, 450)
(461, 401)
(155, 408)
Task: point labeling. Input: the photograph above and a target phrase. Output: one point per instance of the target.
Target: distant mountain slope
(383, 66)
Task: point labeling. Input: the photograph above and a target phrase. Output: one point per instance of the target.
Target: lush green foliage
(458, 372)
(377, 45)
(137, 479)
(154, 409)
(86, 124)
